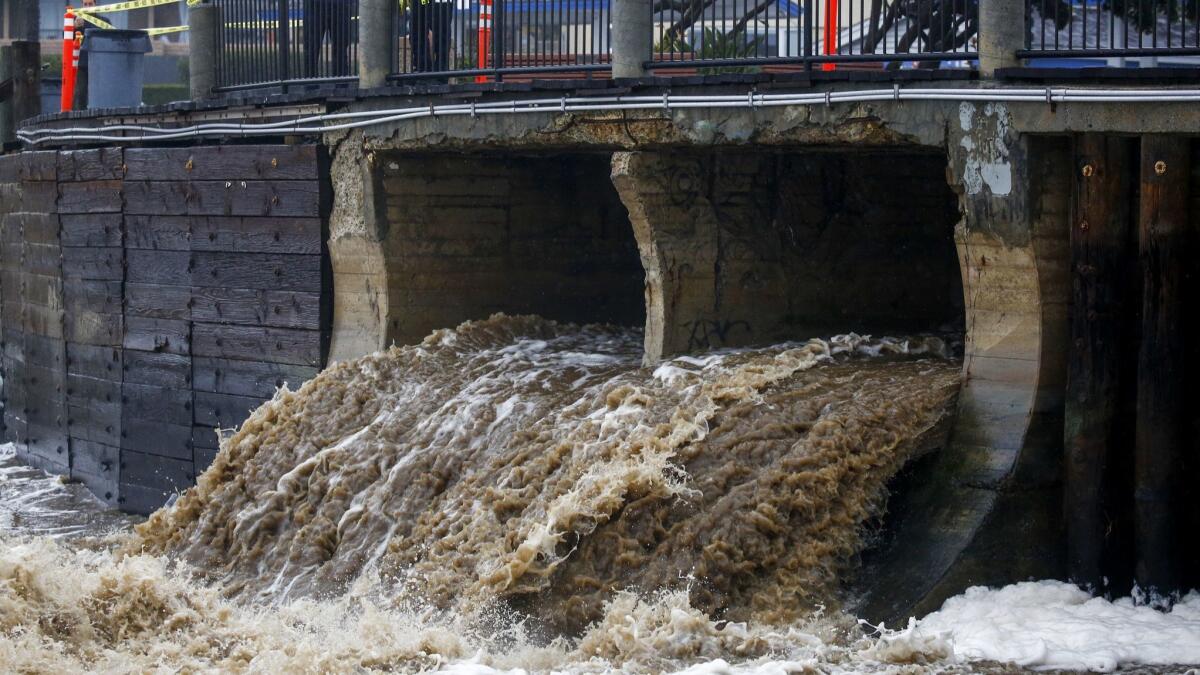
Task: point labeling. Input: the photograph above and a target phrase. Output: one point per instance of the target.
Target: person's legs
(313, 32)
(444, 14)
(340, 27)
(420, 37)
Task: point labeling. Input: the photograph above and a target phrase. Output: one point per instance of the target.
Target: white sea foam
(1048, 625)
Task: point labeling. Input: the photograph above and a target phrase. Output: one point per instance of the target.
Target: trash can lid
(117, 40)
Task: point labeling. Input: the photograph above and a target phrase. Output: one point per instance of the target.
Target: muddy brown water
(510, 493)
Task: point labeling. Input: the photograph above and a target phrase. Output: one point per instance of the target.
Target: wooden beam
(1100, 257)
(1161, 415)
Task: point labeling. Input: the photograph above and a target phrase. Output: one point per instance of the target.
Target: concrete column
(26, 74)
(375, 46)
(632, 37)
(203, 22)
(1001, 34)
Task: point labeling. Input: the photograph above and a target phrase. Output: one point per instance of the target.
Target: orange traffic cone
(70, 60)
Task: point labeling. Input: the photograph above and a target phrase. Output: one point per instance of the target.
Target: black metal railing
(263, 43)
(500, 39)
(1112, 28)
(744, 34)
(267, 43)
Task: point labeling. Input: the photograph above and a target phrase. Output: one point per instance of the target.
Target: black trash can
(115, 67)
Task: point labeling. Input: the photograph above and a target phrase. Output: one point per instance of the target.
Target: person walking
(335, 18)
(430, 35)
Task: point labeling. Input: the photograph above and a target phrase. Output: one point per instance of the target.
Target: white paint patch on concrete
(985, 142)
(966, 115)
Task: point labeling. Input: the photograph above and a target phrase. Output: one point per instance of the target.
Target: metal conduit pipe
(314, 124)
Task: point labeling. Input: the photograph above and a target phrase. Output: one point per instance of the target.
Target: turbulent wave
(510, 493)
(521, 463)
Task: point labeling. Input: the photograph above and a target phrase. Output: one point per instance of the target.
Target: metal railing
(725, 35)
(1112, 28)
(500, 39)
(264, 43)
(269, 43)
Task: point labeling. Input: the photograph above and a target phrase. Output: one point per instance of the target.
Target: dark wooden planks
(281, 309)
(1162, 419)
(257, 343)
(130, 255)
(260, 235)
(224, 411)
(222, 198)
(247, 378)
(239, 162)
(256, 270)
(99, 196)
(33, 315)
(92, 230)
(1100, 264)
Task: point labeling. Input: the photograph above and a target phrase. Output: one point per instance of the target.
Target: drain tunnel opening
(468, 235)
(757, 247)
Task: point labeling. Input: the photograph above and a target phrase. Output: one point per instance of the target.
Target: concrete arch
(722, 270)
(429, 240)
(718, 268)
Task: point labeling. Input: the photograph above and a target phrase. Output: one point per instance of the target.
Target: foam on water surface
(510, 496)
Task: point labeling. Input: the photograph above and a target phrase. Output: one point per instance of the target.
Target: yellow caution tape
(165, 30)
(96, 21)
(85, 13)
(122, 6)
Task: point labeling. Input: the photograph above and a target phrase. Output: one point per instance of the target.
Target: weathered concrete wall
(151, 296)
(756, 247)
(987, 509)
(457, 237)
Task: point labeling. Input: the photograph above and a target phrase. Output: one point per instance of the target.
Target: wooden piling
(1162, 240)
(1100, 253)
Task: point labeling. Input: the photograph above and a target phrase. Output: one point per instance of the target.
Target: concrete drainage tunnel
(700, 251)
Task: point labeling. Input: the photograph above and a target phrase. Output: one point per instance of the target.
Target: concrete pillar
(26, 20)
(632, 37)
(1001, 34)
(357, 233)
(203, 22)
(676, 230)
(375, 45)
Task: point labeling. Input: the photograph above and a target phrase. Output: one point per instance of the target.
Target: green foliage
(54, 65)
(158, 94)
(715, 44)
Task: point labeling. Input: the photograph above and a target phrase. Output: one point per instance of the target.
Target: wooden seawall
(152, 296)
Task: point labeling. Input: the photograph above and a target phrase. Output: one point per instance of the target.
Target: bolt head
(1088, 170)
(1160, 167)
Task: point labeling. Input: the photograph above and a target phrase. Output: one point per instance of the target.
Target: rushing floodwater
(511, 494)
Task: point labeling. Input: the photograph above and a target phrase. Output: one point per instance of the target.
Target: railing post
(807, 38)
(1002, 29)
(26, 72)
(498, 20)
(203, 23)
(375, 46)
(283, 38)
(632, 37)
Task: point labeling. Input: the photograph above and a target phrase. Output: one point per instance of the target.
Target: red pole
(70, 60)
(484, 37)
(831, 32)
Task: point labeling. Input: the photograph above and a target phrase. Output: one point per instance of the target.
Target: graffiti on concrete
(709, 333)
